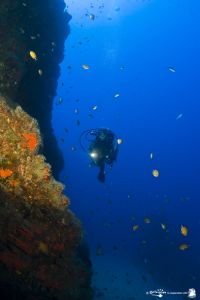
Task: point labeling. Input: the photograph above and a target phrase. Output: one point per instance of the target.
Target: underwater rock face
(40, 238)
(42, 27)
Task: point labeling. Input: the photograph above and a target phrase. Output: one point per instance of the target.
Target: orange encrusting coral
(14, 183)
(4, 173)
(65, 200)
(31, 139)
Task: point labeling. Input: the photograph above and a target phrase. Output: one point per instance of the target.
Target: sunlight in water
(100, 11)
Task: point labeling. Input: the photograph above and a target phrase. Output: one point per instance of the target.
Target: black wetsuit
(106, 150)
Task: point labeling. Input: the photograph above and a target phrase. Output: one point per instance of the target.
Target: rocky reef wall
(42, 256)
(42, 27)
(40, 238)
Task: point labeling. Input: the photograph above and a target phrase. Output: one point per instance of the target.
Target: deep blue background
(147, 41)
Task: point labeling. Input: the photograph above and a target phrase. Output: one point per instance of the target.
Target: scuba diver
(103, 148)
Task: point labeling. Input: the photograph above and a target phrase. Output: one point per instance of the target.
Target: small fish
(33, 55)
(143, 242)
(116, 95)
(147, 220)
(99, 251)
(179, 116)
(76, 111)
(184, 230)
(144, 278)
(135, 227)
(22, 30)
(145, 260)
(90, 116)
(183, 247)
(94, 107)
(77, 122)
(164, 226)
(18, 272)
(155, 173)
(86, 67)
(184, 199)
(117, 9)
(42, 247)
(172, 69)
(151, 155)
(91, 17)
(60, 101)
(40, 72)
(119, 141)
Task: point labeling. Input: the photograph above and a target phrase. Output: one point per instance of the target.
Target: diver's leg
(101, 175)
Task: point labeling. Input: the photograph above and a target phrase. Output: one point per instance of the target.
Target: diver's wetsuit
(105, 148)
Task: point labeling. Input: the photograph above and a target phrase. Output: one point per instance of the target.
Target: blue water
(148, 53)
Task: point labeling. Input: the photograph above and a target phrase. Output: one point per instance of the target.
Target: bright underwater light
(94, 154)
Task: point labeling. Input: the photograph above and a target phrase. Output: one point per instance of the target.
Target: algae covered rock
(39, 235)
(22, 170)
